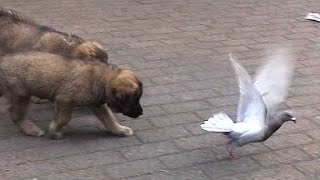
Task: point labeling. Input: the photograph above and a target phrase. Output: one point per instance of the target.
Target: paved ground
(179, 48)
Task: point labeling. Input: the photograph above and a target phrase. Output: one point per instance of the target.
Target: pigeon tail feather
(218, 123)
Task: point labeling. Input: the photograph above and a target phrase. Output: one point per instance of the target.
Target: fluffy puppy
(68, 83)
(18, 32)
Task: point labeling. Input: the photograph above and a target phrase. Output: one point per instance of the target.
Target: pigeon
(256, 118)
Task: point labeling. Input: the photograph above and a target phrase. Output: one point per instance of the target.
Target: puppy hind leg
(62, 118)
(109, 120)
(18, 110)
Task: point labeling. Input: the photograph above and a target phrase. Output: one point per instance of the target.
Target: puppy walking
(68, 83)
(18, 32)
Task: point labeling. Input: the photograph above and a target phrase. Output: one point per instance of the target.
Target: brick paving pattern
(179, 48)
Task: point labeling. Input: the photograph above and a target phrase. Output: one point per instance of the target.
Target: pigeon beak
(293, 119)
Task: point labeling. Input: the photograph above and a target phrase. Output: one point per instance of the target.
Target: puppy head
(126, 91)
(90, 50)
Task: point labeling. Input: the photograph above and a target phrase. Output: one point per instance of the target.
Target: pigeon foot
(230, 149)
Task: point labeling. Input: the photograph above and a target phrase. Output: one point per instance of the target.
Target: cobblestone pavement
(180, 49)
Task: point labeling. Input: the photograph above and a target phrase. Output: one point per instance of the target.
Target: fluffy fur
(18, 32)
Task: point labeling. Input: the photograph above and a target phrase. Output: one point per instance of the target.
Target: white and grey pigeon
(256, 120)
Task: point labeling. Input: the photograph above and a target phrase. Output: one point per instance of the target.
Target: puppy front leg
(109, 120)
(62, 117)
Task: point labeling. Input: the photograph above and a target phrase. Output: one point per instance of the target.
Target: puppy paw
(123, 131)
(56, 135)
(35, 132)
(127, 131)
(30, 129)
(53, 132)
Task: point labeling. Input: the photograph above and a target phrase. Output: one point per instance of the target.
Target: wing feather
(251, 106)
(273, 79)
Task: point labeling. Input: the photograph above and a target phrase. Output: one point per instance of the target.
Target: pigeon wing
(250, 106)
(273, 79)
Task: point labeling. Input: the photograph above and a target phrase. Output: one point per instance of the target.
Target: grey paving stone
(93, 159)
(192, 95)
(196, 142)
(310, 168)
(165, 133)
(287, 140)
(157, 99)
(180, 51)
(185, 106)
(94, 173)
(133, 168)
(284, 172)
(188, 158)
(150, 150)
(229, 167)
(164, 89)
(312, 149)
(176, 174)
(174, 119)
(281, 156)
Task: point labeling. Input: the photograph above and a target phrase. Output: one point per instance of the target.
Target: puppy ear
(123, 86)
(125, 83)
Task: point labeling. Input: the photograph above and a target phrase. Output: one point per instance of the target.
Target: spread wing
(273, 79)
(250, 106)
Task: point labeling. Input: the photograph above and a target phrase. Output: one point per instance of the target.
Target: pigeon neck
(273, 125)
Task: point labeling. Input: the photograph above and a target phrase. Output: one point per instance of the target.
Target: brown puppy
(68, 83)
(20, 33)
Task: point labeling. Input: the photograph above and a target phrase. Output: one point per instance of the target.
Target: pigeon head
(287, 116)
